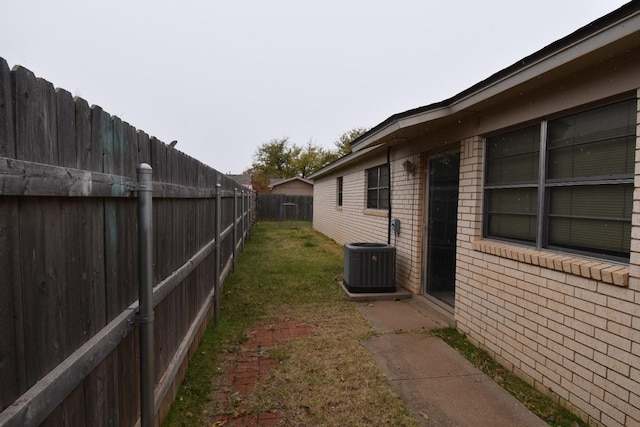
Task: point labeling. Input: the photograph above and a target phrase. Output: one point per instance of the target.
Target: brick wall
(570, 326)
(352, 222)
(407, 204)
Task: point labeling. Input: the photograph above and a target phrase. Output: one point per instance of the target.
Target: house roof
(617, 31)
(242, 179)
(296, 178)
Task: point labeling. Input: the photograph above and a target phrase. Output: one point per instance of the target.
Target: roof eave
(523, 71)
(341, 162)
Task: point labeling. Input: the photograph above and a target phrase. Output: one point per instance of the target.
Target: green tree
(275, 158)
(312, 158)
(279, 158)
(343, 143)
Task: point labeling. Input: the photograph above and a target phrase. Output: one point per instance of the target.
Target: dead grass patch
(329, 378)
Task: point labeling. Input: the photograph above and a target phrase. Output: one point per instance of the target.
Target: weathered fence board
(128, 367)
(270, 205)
(32, 407)
(130, 150)
(7, 141)
(144, 148)
(101, 391)
(24, 178)
(69, 352)
(34, 118)
(83, 271)
(13, 376)
(66, 128)
(40, 226)
(87, 157)
(67, 413)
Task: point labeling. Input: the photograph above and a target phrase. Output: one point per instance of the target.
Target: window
(378, 187)
(339, 186)
(580, 200)
(511, 183)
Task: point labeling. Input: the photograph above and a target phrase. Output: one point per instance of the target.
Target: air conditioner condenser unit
(369, 267)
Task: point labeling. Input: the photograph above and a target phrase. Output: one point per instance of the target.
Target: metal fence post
(244, 233)
(235, 227)
(144, 316)
(218, 221)
(248, 209)
(252, 200)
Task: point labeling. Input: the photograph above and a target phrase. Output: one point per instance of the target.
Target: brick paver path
(250, 364)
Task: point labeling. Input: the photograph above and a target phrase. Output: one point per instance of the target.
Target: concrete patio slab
(390, 316)
(399, 294)
(440, 387)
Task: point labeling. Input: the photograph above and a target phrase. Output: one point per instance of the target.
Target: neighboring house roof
(275, 181)
(617, 31)
(242, 179)
(284, 181)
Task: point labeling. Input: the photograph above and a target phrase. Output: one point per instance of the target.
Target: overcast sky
(223, 77)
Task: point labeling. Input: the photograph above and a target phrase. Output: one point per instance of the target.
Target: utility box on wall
(369, 267)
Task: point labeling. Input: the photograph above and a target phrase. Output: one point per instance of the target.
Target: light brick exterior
(565, 323)
(569, 325)
(353, 222)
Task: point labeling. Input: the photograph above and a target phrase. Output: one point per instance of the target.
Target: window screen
(511, 184)
(596, 144)
(591, 218)
(590, 171)
(586, 187)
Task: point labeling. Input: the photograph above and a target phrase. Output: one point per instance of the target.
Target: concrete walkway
(440, 387)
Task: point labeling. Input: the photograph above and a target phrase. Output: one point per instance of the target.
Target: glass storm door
(442, 212)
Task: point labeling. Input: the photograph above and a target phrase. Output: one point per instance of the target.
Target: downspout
(389, 196)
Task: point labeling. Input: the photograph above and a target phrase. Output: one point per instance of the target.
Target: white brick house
(519, 209)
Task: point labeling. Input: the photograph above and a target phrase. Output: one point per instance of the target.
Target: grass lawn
(327, 378)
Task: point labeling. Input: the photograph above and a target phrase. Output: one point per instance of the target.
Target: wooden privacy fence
(69, 259)
(272, 207)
